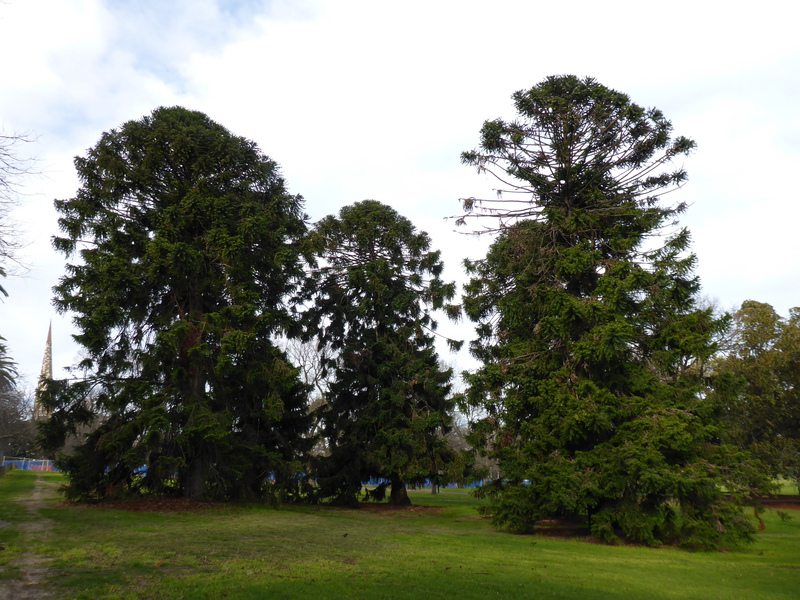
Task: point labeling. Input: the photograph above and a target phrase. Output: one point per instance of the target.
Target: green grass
(250, 552)
(13, 485)
(788, 488)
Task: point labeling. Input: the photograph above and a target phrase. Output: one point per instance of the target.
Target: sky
(359, 99)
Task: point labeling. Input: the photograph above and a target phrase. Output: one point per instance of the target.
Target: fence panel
(28, 464)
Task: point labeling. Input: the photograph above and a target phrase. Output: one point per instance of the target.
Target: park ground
(440, 548)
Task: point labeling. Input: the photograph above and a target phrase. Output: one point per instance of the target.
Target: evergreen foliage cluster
(190, 260)
(371, 301)
(590, 337)
(187, 245)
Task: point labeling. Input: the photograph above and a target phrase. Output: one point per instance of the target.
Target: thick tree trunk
(196, 480)
(399, 495)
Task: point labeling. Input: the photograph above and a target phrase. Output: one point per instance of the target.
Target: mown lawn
(249, 552)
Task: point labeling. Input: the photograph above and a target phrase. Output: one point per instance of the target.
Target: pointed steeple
(39, 412)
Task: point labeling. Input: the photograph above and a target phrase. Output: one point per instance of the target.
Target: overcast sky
(366, 99)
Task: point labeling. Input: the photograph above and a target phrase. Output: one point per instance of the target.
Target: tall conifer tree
(184, 246)
(374, 292)
(590, 338)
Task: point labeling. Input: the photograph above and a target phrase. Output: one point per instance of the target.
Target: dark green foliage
(186, 247)
(590, 339)
(8, 368)
(757, 383)
(388, 405)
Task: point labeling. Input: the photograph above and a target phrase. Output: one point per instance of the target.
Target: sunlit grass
(788, 488)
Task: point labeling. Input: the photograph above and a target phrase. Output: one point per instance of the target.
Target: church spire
(39, 412)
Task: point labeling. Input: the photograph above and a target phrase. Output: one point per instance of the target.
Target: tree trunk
(399, 495)
(196, 480)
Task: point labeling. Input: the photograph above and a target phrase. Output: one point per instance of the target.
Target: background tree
(374, 291)
(447, 458)
(8, 368)
(17, 431)
(757, 382)
(588, 329)
(186, 241)
(311, 357)
(12, 169)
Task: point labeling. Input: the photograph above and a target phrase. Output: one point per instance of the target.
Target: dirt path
(34, 570)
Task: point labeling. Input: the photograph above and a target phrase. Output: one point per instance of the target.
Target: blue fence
(29, 464)
(427, 484)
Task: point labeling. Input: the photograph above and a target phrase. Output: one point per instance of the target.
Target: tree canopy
(373, 296)
(589, 335)
(8, 368)
(757, 383)
(184, 243)
(17, 430)
(579, 148)
(189, 262)
(12, 168)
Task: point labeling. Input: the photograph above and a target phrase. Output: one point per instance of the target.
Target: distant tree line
(234, 350)
(756, 383)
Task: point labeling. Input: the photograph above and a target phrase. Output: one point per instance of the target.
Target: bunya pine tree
(374, 291)
(184, 247)
(590, 338)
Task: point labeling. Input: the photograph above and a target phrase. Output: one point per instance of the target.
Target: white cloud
(358, 99)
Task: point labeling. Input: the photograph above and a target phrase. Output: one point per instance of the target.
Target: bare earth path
(33, 568)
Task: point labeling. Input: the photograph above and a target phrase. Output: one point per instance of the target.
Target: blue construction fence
(29, 464)
(427, 484)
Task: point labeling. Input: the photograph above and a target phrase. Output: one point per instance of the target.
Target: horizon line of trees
(606, 392)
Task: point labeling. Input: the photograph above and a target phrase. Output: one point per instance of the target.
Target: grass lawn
(788, 488)
(249, 552)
